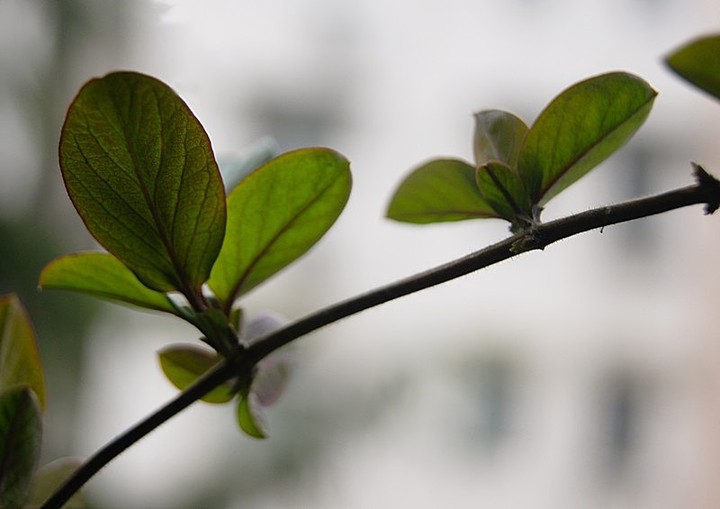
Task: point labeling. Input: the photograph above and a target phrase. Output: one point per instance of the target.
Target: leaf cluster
(517, 168)
(141, 173)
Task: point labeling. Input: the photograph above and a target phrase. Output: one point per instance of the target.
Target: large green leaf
(699, 63)
(20, 441)
(504, 191)
(276, 214)
(19, 357)
(437, 191)
(103, 275)
(140, 171)
(183, 364)
(579, 129)
(498, 137)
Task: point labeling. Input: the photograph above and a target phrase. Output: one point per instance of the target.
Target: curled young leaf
(579, 129)
(102, 275)
(275, 215)
(139, 168)
(437, 191)
(498, 137)
(699, 63)
(503, 189)
(19, 357)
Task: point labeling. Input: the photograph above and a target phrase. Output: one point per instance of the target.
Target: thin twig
(705, 191)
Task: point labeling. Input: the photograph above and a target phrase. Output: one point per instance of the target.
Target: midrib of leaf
(508, 197)
(158, 226)
(236, 288)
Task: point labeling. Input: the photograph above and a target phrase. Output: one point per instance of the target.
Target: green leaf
(699, 63)
(102, 275)
(437, 191)
(49, 478)
(503, 189)
(184, 364)
(275, 215)
(19, 357)
(250, 417)
(140, 171)
(579, 129)
(20, 440)
(498, 137)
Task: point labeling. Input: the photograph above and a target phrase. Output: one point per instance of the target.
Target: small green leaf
(103, 275)
(275, 215)
(437, 191)
(504, 191)
(579, 129)
(250, 417)
(19, 357)
(140, 171)
(699, 63)
(20, 441)
(498, 137)
(49, 478)
(184, 364)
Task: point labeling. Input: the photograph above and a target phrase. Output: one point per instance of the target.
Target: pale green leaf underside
(49, 478)
(184, 364)
(20, 440)
(437, 191)
(498, 137)
(699, 63)
(139, 168)
(19, 357)
(579, 129)
(102, 275)
(276, 214)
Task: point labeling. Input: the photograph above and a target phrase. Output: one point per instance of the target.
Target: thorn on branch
(707, 181)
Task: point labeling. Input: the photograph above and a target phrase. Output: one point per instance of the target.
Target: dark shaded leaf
(103, 275)
(699, 63)
(275, 215)
(437, 191)
(139, 169)
(20, 441)
(19, 357)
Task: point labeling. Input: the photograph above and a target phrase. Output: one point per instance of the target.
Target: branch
(705, 191)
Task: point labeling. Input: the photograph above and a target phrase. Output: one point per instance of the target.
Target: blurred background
(582, 376)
